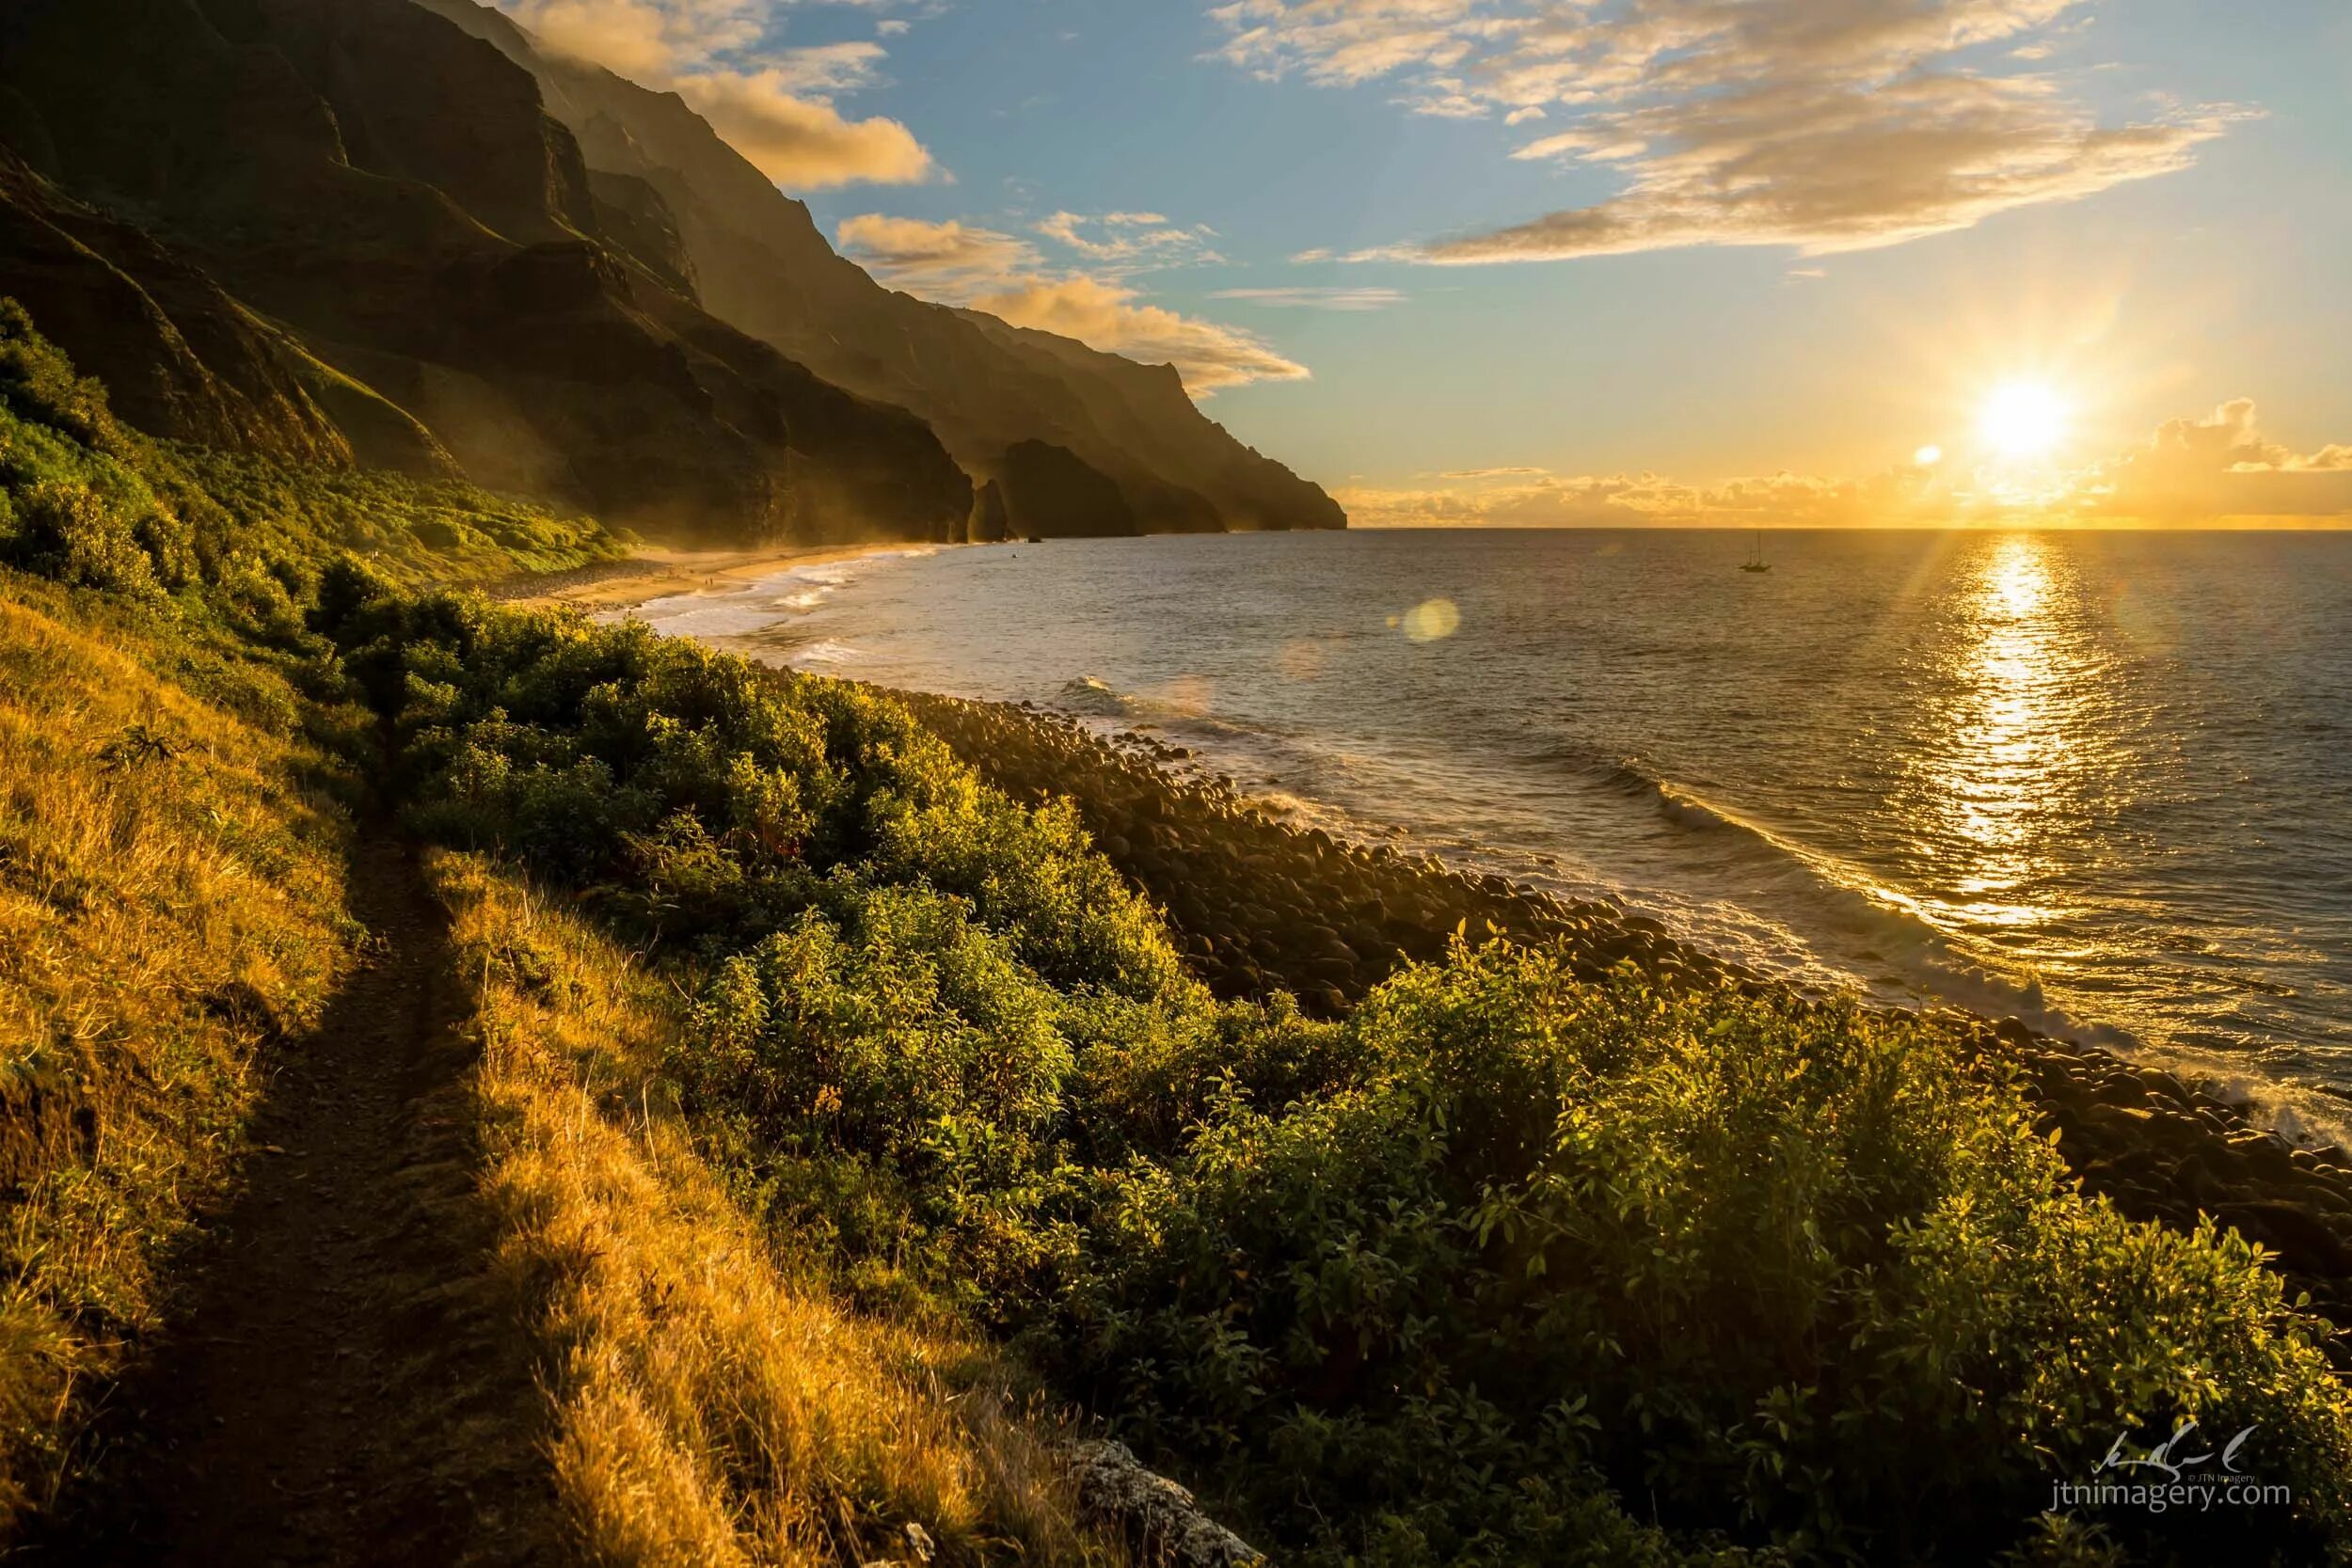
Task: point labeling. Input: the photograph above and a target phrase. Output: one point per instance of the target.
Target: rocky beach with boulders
(1259, 905)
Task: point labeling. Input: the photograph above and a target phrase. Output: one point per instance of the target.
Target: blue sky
(2166, 232)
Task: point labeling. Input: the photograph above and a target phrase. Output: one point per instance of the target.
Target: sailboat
(1756, 561)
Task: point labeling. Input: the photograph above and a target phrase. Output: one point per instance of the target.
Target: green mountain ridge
(344, 231)
(985, 385)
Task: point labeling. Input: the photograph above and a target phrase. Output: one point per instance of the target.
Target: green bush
(701, 795)
(1795, 1272)
(1505, 1268)
(38, 387)
(76, 501)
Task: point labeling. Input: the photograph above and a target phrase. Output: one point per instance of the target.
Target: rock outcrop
(1159, 1521)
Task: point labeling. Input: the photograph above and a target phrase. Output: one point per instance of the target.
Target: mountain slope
(353, 195)
(984, 385)
(183, 359)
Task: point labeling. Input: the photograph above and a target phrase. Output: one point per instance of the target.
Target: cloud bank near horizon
(1784, 123)
(2219, 469)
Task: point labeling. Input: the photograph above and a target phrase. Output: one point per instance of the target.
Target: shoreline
(661, 572)
(1257, 904)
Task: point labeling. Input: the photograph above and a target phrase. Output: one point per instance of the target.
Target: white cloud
(798, 141)
(1207, 354)
(1131, 241)
(641, 39)
(1535, 497)
(939, 260)
(825, 68)
(2217, 468)
(1003, 274)
(1823, 126)
(774, 105)
(1340, 298)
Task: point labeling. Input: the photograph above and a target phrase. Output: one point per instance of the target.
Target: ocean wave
(761, 604)
(1885, 922)
(1091, 697)
(1737, 842)
(824, 651)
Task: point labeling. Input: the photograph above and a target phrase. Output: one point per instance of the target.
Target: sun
(2023, 420)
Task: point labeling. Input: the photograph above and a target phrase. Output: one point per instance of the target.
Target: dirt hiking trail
(344, 1383)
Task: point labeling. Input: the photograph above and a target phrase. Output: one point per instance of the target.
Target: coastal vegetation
(709, 1406)
(170, 901)
(840, 1120)
(1452, 1278)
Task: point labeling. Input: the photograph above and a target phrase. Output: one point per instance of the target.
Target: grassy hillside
(184, 776)
(826, 1102)
(170, 902)
(180, 779)
(711, 1407)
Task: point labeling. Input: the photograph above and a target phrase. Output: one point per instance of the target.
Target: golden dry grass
(709, 1406)
(171, 899)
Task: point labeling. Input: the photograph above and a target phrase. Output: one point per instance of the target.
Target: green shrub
(1505, 1268)
(66, 531)
(38, 387)
(702, 794)
(1796, 1272)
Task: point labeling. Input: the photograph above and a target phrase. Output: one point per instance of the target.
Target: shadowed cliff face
(985, 387)
(316, 226)
(1055, 495)
(180, 358)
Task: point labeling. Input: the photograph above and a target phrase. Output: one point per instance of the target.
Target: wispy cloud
(1827, 127)
(1132, 241)
(944, 261)
(1337, 298)
(773, 105)
(1007, 275)
(1535, 497)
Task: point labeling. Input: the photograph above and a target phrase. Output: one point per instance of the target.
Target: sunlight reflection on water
(1999, 780)
(2107, 773)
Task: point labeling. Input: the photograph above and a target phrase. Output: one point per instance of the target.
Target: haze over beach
(1378, 783)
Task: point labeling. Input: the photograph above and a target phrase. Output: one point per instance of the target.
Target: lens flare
(1432, 620)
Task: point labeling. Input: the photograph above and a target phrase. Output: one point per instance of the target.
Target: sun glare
(2022, 420)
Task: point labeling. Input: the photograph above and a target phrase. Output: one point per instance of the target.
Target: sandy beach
(655, 572)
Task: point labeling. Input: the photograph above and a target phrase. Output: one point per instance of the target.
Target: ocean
(2099, 781)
